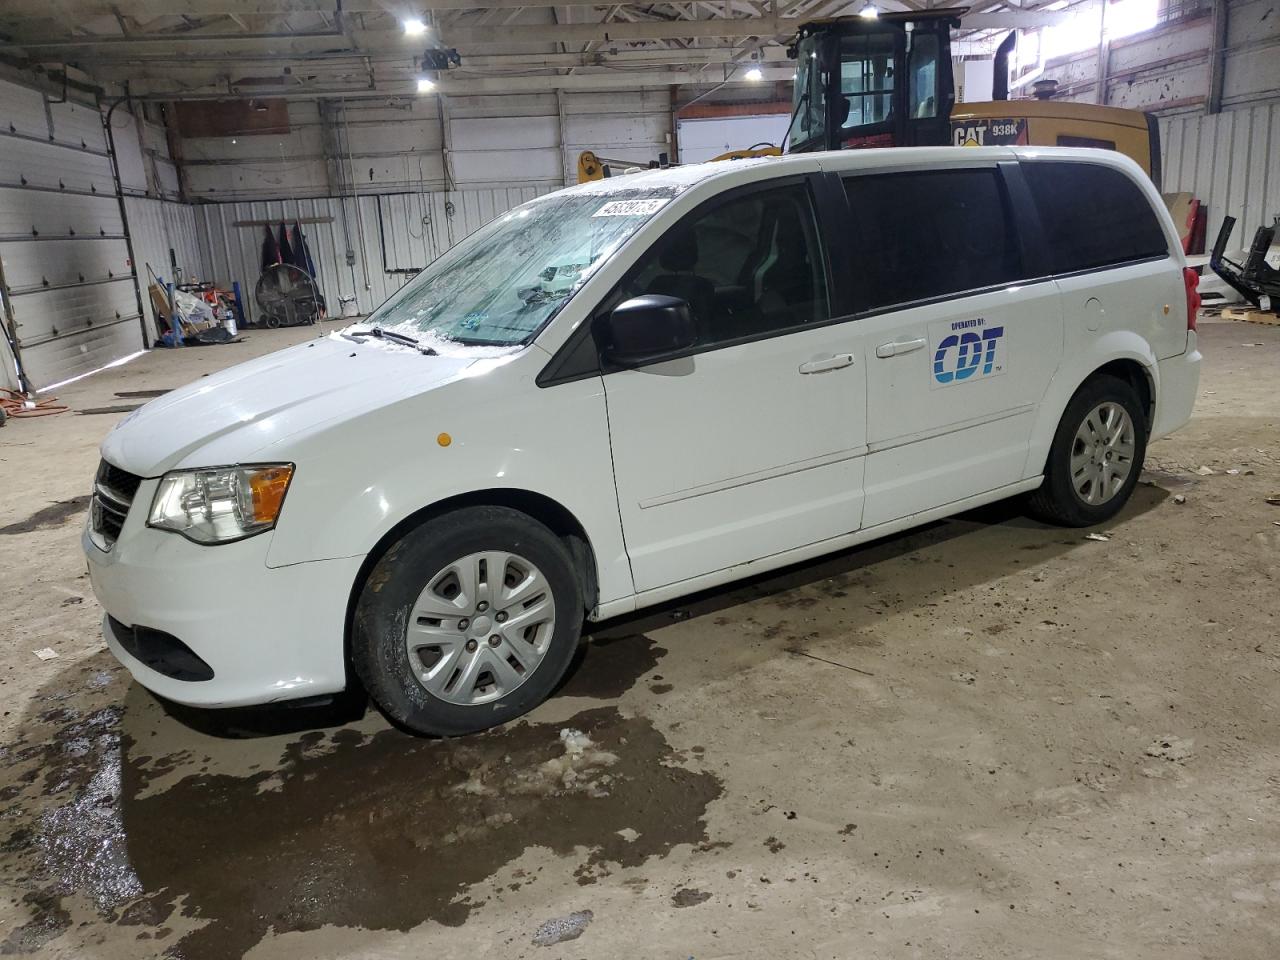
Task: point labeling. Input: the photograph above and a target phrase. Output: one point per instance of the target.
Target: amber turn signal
(267, 487)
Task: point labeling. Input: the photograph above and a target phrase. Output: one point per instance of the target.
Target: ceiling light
(233, 139)
(414, 27)
(869, 12)
(755, 75)
(426, 84)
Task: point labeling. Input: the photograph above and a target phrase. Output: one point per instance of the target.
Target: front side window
(1093, 216)
(502, 284)
(927, 234)
(749, 266)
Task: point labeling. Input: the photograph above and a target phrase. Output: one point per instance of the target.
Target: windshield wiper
(800, 105)
(382, 334)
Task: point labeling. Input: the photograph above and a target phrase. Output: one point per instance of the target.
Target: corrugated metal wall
(428, 171)
(400, 145)
(415, 229)
(1167, 69)
(1230, 161)
(158, 226)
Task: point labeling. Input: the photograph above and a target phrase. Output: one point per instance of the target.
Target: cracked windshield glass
(502, 284)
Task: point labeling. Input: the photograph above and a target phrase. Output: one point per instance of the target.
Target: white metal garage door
(73, 303)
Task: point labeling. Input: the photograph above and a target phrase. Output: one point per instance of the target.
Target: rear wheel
(468, 621)
(1096, 456)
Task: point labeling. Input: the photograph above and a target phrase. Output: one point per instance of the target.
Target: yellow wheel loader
(887, 81)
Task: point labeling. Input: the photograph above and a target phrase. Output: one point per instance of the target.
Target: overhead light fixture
(233, 139)
(755, 75)
(414, 27)
(869, 12)
(426, 84)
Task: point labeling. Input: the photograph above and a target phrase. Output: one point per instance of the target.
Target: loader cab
(878, 82)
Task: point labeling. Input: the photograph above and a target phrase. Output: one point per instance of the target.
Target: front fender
(359, 480)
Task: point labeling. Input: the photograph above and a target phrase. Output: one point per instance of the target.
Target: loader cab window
(922, 74)
(867, 78)
(809, 112)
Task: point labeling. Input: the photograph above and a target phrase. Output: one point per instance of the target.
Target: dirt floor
(986, 739)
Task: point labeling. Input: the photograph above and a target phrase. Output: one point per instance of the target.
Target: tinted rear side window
(929, 234)
(1093, 216)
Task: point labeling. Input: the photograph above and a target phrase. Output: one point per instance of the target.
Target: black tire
(378, 649)
(1056, 501)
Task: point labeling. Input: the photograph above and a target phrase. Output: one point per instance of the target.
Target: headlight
(221, 504)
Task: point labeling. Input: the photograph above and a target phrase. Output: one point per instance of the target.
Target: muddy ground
(986, 739)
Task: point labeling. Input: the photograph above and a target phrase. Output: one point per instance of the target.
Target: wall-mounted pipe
(124, 217)
(355, 198)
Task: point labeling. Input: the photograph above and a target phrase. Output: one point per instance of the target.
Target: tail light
(1192, 281)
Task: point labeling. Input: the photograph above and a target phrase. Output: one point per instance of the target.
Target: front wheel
(1096, 455)
(468, 621)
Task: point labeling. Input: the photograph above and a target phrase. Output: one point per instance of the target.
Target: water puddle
(54, 515)
(380, 831)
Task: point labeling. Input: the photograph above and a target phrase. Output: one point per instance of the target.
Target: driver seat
(679, 261)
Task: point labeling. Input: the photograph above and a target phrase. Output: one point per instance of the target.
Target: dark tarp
(270, 249)
(302, 251)
(286, 250)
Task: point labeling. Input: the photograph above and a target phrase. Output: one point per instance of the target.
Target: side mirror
(645, 329)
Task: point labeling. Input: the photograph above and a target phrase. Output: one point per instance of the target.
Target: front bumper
(268, 634)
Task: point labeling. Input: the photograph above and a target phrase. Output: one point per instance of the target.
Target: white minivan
(629, 390)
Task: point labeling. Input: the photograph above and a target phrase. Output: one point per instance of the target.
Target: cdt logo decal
(966, 350)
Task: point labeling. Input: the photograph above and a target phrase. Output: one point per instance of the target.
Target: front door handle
(827, 363)
(899, 347)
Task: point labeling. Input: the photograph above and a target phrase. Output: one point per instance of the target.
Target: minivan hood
(246, 412)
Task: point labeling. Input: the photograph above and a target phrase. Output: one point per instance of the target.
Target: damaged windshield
(500, 286)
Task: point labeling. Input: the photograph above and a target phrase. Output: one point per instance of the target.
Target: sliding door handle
(827, 363)
(899, 347)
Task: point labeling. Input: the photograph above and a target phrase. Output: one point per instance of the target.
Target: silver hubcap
(1102, 453)
(481, 627)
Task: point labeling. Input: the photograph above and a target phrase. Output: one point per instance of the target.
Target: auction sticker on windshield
(632, 208)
